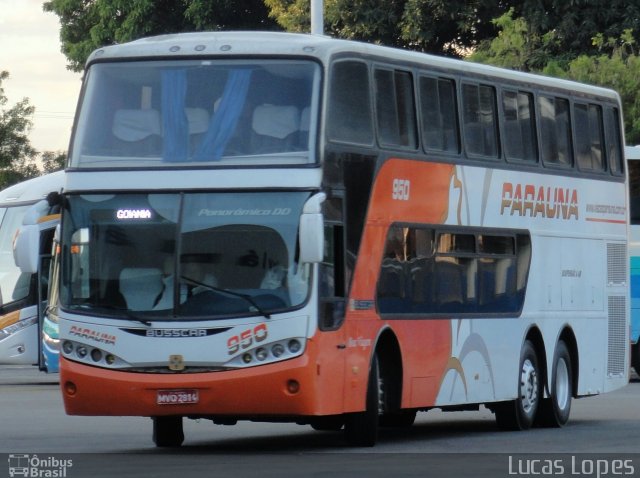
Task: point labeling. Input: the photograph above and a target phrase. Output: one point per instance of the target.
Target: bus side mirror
(312, 230)
(26, 248)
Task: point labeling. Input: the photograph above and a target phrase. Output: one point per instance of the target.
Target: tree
(16, 152)
(87, 25)
(53, 161)
(615, 65)
(575, 23)
(620, 71)
(437, 26)
(515, 46)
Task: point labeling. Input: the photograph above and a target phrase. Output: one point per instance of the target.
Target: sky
(30, 52)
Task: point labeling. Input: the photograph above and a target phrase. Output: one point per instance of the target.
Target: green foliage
(515, 45)
(438, 26)
(613, 64)
(53, 161)
(89, 24)
(575, 23)
(16, 152)
(619, 71)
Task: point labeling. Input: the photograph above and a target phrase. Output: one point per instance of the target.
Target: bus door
(45, 260)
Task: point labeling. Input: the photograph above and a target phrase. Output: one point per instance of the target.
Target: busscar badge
(176, 363)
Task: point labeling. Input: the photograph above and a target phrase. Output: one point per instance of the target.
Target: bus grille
(616, 264)
(617, 335)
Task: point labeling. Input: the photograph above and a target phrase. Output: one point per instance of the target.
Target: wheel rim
(528, 387)
(562, 384)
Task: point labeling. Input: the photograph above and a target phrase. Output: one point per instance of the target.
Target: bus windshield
(14, 285)
(192, 256)
(163, 114)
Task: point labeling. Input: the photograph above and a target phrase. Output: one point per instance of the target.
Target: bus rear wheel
(520, 413)
(555, 410)
(361, 429)
(167, 431)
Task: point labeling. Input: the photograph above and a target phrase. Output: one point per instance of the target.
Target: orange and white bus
(283, 227)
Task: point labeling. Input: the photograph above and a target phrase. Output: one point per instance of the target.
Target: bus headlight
(268, 353)
(277, 350)
(67, 347)
(261, 354)
(90, 355)
(96, 355)
(294, 346)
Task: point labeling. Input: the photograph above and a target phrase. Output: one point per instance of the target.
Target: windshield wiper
(126, 312)
(245, 297)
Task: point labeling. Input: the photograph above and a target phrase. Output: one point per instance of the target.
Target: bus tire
(361, 428)
(167, 431)
(519, 414)
(554, 410)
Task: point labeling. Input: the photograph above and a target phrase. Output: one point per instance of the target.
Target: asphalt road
(604, 432)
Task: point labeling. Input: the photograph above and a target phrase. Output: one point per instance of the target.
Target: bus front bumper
(278, 389)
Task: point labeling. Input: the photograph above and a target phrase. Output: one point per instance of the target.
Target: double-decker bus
(19, 291)
(285, 227)
(632, 154)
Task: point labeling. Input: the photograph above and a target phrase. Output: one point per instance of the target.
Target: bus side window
(614, 141)
(480, 120)
(519, 132)
(395, 108)
(555, 131)
(439, 114)
(349, 118)
(332, 269)
(589, 136)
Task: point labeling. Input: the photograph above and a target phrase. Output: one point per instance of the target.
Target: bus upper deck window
(349, 118)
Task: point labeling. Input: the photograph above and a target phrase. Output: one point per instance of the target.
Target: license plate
(177, 397)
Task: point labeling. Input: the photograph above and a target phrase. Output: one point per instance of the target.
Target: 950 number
(401, 189)
(246, 338)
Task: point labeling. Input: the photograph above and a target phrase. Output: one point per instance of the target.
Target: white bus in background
(19, 295)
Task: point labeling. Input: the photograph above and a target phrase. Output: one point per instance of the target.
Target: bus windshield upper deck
(234, 254)
(159, 114)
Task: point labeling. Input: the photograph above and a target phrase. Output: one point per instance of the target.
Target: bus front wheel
(361, 429)
(520, 413)
(167, 431)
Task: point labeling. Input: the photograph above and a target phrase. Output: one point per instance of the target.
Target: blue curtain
(224, 121)
(175, 126)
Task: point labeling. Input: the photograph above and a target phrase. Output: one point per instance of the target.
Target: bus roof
(31, 190)
(233, 44)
